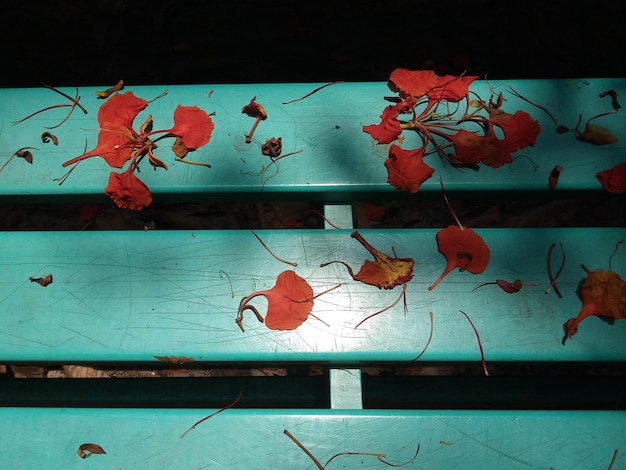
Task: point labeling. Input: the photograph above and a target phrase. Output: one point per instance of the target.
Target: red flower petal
(520, 129)
(406, 168)
(127, 190)
(193, 125)
(472, 148)
(613, 179)
(419, 83)
(463, 249)
(389, 128)
(289, 302)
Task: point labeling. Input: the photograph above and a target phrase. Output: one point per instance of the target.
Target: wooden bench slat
(338, 161)
(239, 438)
(130, 296)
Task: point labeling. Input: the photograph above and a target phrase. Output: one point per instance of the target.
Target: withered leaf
(597, 135)
(175, 359)
(85, 450)
(42, 281)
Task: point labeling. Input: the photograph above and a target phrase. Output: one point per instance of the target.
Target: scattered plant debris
(47, 137)
(42, 281)
(102, 95)
(290, 263)
(75, 103)
(558, 273)
(230, 405)
(85, 450)
(553, 179)
(312, 92)
(23, 153)
(506, 286)
(379, 455)
(480, 343)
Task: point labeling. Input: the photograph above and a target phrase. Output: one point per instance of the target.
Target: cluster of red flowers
(422, 95)
(118, 143)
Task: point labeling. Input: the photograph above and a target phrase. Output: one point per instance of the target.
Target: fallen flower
(603, 294)
(386, 272)
(289, 303)
(462, 247)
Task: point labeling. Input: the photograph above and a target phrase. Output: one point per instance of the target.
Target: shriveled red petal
(127, 190)
(463, 249)
(193, 125)
(406, 168)
(603, 293)
(613, 179)
(254, 109)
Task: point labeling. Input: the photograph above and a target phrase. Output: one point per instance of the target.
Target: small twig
(445, 198)
(312, 92)
(189, 162)
(65, 95)
(325, 218)
(402, 294)
(430, 336)
(213, 414)
(304, 449)
(550, 276)
(480, 344)
(291, 263)
(614, 251)
(69, 113)
(534, 104)
(614, 459)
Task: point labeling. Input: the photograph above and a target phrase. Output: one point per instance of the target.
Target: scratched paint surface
(327, 127)
(127, 296)
(147, 438)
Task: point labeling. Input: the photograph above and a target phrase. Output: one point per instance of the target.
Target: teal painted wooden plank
(127, 296)
(449, 440)
(338, 159)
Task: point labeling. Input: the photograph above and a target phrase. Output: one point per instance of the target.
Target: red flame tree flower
(421, 96)
(118, 143)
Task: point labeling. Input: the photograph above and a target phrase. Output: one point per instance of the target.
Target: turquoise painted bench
(126, 298)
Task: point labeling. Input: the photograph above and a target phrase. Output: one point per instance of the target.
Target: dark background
(80, 43)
